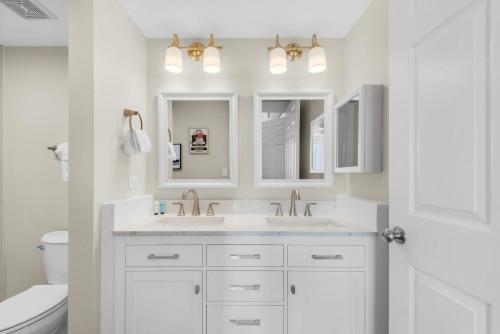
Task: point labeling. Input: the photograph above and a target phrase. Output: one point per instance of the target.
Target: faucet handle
(210, 211)
(279, 211)
(307, 212)
(180, 211)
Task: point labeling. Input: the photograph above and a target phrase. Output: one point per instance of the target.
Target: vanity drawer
(245, 319)
(244, 255)
(326, 256)
(245, 286)
(164, 256)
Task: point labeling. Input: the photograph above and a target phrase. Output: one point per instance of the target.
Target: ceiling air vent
(29, 9)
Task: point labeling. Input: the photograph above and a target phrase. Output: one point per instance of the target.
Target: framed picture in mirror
(198, 140)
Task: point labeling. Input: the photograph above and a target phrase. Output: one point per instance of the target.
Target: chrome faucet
(196, 203)
(295, 197)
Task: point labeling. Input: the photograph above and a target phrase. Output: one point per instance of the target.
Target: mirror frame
(164, 109)
(327, 181)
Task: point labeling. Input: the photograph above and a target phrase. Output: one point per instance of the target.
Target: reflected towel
(62, 154)
(137, 142)
(172, 155)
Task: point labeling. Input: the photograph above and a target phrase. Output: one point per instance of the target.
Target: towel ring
(130, 113)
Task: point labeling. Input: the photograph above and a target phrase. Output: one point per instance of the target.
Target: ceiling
(245, 19)
(14, 30)
(197, 18)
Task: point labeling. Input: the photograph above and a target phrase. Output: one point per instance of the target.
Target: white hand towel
(62, 154)
(172, 155)
(137, 142)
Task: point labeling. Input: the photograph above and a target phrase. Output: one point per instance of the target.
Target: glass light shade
(277, 61)
(317, 60)
(173, 59)
(211, 60)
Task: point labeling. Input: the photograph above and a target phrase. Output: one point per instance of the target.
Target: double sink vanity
(244, 269)
(252, 266)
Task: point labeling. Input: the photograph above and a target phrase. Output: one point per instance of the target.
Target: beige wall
(35, 198)
(213, 115)
(244, 71)
(107, 62)
(309, 110)
(366, 55)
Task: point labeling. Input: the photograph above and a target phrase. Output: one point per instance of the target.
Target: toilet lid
(30, 304)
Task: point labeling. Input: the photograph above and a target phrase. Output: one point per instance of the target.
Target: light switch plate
(133, 182)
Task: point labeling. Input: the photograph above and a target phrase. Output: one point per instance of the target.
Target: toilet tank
(55, 256)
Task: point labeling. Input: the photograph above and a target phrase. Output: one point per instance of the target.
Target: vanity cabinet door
(164, 302)
(325, 302)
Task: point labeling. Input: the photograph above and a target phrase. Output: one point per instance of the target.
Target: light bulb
(173, 59)
(317, 60)
(277, 61)
(211, 60)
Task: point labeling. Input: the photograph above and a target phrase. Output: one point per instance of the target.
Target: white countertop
(240, 224)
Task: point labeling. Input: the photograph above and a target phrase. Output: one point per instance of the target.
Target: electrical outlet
(224, 172)
(133, 182)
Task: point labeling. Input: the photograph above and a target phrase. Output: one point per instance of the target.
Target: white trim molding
(163, 111)
(328, 179)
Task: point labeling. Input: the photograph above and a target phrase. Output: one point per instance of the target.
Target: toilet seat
(32, 305)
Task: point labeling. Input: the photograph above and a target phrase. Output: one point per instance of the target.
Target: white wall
(244, 71)
(34, 195)
(366, 55)
(2, 258)
(107, 62)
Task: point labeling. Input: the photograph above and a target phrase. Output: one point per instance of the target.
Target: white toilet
(42, 309)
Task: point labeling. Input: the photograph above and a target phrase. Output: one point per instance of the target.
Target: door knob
(396, 234)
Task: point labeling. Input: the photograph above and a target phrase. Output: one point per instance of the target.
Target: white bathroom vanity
(244, 270)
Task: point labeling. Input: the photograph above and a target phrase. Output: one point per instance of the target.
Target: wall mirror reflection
(293, 140)
(198, 139)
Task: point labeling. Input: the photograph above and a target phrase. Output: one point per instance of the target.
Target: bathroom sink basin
(191, 220)
(300, 221)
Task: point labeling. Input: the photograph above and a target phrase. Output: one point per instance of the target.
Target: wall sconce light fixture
(196, 51)
(293, 52)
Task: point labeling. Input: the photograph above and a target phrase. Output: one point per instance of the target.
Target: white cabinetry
(326, 302)
(164, 302)
(245, 284)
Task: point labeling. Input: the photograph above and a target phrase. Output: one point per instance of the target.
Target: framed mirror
(293, 136)
(358, 125)
(198, 140)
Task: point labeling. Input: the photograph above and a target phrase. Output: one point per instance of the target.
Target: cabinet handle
(241, 287)
(292, 289)
(244, 256)
(245, 322)
(163, 257)
(328, 257)
(197, 289)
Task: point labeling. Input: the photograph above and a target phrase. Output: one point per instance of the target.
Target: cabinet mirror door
(358, 129)
(293, 140)
(198, 140)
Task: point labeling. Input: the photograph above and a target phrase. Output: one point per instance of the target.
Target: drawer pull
(197, 289)
(245, 322)
(244, 256)
(292, 289)
(327, 257)
(240, 287)
(163, 257)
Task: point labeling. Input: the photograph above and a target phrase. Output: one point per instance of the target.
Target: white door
(292, 134)
(326, 302)
(163, 302)
(273, 149)
(445, 166)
